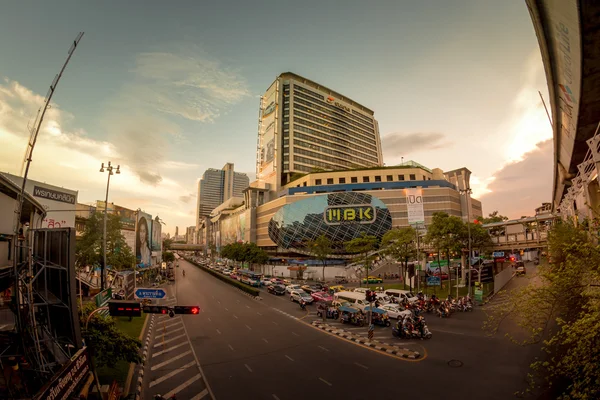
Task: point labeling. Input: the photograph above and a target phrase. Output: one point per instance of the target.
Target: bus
(249, 277)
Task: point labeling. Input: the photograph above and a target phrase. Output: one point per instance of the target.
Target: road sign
(498, 254)
(141, 293)
(434, 281)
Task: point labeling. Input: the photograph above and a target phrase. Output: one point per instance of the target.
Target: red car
(322, 296)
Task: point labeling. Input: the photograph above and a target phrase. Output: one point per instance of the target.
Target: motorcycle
(303, 305)
(444, 312)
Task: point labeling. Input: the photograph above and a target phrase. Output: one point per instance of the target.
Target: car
(277, 290)
(372, 279)
(310, 289)
(290, 288)
(277, 281)
(321, 296)
(226, 271)
(287, 282)
(297, 295)
(521, 270)
(395, 311)
(361, 290)
(266, 282)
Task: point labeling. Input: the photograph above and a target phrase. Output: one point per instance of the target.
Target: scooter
(303, 306)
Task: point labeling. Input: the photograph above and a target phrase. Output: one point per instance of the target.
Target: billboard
(156, 241)
(341, 217)
(268, 125)
(414, 206)
(68, 379)
(233, 229)
(60, 203)
(143, 239)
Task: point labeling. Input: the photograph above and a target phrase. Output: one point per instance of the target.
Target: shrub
(232, 282)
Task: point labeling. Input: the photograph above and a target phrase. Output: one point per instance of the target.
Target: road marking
(218, 302)
(275, 322)
(454, 333)
(172, 323)
(168, 341)
(275, 397)
(218, 331)
(266, 341)
(235, 316)
(247, 306)
(231, 347)
(174, 330)
(294, 333)
(322, 348)
(209, 320)
(238, 301)
(200, 395)
(169, 349)
(259, 313)
(248, 367)
(182, 386)
(360, 365)
(325, 382)
(289, 358)
(248, 327)
(171, 374)
(226, 309)
(162, 364)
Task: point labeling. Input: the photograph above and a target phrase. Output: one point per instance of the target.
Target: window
(317, 181)
(428, 179)
(424, 178)
(378, 179)
(330, 181)
(303, 183)
(365, 179)
(390, 178)
(413, 177)
(354, 179)
(400, 177)
(342, 180)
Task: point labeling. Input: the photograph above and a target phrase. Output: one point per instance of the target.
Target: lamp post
(467, 192)
(109, 169)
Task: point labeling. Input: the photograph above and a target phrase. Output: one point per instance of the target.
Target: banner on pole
(414, 206)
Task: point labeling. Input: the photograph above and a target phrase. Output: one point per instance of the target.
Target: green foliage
(89, 247)
(245, 252)
(321, 248)
(106, 343)
(561, 309)
(363, 246)
(401, 244)
(232, 282)
(168, 256)
(480, 238)
(493, 218)
(167, 244)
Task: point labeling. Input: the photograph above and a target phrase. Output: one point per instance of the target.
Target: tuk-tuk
(351, 315)
(379, 316)
(336, 288)
(328, 309)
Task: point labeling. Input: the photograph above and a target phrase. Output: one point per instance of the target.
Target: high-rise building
(305, 127)
(176, 231)
(218, 186)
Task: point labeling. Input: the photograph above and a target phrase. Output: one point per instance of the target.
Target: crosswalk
(172, 366)
(382, 334)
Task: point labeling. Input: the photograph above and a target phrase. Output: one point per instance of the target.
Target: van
(356, 299)
(400, 295)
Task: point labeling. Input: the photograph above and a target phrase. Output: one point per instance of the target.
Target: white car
(266, 281)
(297, 295)
(290, 288)
(395, 311)
(361, 290)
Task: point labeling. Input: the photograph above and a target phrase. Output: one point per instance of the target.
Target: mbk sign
(414, 206)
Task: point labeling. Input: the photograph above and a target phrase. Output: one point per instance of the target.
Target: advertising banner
(129, 238)
(156, 243)
(143, 240)
(65, 383)
(268, 114)
(127, 217)
(414, 206)
(59, 203)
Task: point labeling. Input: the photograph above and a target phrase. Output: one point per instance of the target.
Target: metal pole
(104, 230)
(468, 192)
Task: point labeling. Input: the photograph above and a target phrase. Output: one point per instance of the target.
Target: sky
(169, 89)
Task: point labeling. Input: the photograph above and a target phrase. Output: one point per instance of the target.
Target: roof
(10, 188)
(521, 220)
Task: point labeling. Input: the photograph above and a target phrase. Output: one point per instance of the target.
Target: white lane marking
(182, 386)
(171, 374)
(454, 333)
(226, 309)
(275, 397)
(169, 332)
(360, 365)
(218, 302)
(266, 341)
(294, 333)
(213, 297)
(248, 328)
(289, 358)
(209, 320)
(325, 382)
(200, 395)
(238, 301)
(248, 367)
(322, 348)
(168, 341)
(162, 364)
(218, 331)
(171, 324)
(275, 322)
(169, 349)
(259, 313)
(247, 306)
(235, 316)
(231, 347)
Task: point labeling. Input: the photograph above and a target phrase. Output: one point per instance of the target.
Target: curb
(140, 380)
(383, 347)
(132, 366)
(490, 297)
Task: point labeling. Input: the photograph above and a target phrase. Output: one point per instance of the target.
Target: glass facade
(339, 216)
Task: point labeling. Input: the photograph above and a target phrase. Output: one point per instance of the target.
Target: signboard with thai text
(414, 206)
(65, 383)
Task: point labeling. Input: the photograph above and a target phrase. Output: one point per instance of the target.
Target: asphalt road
(251, 349)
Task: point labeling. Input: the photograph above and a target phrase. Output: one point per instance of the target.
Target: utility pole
(109, 169)
(467, 192)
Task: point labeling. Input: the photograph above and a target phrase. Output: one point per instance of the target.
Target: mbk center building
(320, 171)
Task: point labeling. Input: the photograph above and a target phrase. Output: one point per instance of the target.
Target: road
(266, 349)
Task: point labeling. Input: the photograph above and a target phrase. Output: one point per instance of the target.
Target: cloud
(521, 186)
(179, 165)
(187, 198)
(402, 144)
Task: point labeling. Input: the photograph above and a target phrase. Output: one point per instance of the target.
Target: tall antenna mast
(24, 289)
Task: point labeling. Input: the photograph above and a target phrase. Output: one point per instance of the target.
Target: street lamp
(467, 192)
(109, 169)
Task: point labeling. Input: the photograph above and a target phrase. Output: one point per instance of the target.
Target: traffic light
(156, 309)
(186, 310)
(124, 308)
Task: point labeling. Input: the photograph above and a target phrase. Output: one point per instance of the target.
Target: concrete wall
(501, 279)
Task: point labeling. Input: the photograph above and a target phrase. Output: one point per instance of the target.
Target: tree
(480, 239)
(168, 256)
(400, 244)
(561, 309)
(167, 244)
(89, 247)
(321, 248)
(363, 245)
(495, 217)
(447, 233)
(254, 254)
(106, 344)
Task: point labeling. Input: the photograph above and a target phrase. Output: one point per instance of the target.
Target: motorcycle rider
(302, 304)
(183, 272)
